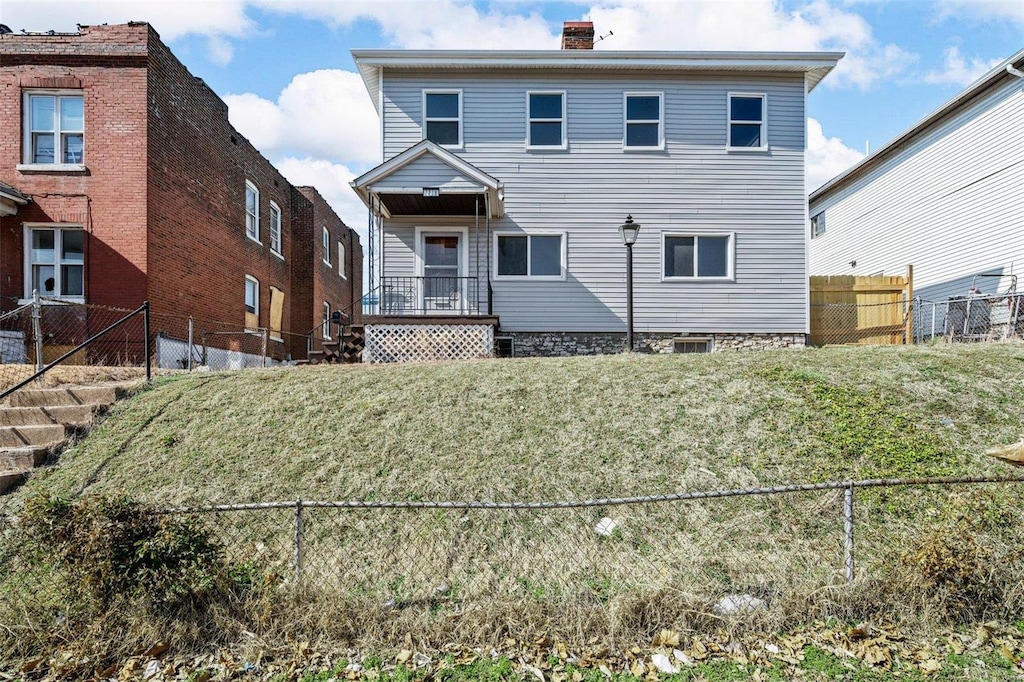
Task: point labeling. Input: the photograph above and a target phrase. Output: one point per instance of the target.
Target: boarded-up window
(252, 303)
(276, 312)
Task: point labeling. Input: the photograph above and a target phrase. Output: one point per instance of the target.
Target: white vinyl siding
(695, 186)
(944, 202)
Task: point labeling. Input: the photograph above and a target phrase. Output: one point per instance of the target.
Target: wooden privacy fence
(846, 309)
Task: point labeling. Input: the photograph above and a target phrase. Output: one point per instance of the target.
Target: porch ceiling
(445, 204)
(10, 199)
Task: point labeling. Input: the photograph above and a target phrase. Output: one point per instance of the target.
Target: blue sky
(285, 70)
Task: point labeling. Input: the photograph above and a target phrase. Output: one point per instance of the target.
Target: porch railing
(429, 296)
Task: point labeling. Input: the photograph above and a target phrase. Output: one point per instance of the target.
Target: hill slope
(554, 428)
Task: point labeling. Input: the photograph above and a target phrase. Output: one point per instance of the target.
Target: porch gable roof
(401, 195)
(10, 199)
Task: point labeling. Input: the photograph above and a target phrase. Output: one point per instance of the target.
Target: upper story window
(275, 229)
(341, 260)
(54, 128)
(644, 120)
(252, 211)
(442, 117)
(325, 242)
(818, 225)
(690, 256)
(747, 116)
(55, 261)
(538, 255)
(546, 124)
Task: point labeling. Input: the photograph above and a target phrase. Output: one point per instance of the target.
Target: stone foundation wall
(548, 344)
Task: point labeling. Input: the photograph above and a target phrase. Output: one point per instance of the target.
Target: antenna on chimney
(600, 38)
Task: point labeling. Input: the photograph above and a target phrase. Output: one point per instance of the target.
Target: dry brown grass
(580, 428)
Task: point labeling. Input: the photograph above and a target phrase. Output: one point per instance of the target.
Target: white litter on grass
(661, 662)
(682, 658)
(606, 526)
(152, 668)
(734, 603)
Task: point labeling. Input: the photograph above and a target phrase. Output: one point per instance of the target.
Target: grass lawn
(927, 559)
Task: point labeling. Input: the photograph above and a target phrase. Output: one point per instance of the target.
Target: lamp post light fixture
(629, 231)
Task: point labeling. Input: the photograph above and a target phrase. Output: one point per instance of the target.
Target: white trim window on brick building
(54, 126)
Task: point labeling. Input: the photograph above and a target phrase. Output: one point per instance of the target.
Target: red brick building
(121, 180)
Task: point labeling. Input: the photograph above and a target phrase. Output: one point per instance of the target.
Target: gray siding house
(943, 196)
(507, 174)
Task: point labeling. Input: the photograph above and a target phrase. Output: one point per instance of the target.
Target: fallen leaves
(548, 659)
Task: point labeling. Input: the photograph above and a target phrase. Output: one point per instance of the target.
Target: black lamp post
(628, 231)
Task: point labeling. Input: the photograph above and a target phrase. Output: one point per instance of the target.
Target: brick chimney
(578, 35)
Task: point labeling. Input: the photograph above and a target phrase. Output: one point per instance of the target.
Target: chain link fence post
(298, 540)
(191, 342)
(37, 328)
(848, 529)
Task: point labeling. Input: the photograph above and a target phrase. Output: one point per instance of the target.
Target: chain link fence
(958, 319)
(595, 567)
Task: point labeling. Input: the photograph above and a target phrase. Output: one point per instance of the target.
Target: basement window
(504, 347)
(691, 344)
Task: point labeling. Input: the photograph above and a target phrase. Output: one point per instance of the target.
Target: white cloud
(441, 24)
(324, 114)
(331, 180)
(766, 25)
(959, 71)
(218, 20)
(826, 156)
(983, 10)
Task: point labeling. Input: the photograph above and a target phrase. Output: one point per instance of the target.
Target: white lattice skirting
(427, 342)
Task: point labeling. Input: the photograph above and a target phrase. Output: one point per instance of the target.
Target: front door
(442, 286)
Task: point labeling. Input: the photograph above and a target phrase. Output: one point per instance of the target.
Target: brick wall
(163, 194)
(108, 199)
(199, 253)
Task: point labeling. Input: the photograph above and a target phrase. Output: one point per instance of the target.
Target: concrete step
(24, 458)
(70, 395)
(20, 436)
(74, 415)
(11, 479)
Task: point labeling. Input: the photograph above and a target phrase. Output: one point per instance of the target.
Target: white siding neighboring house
(944, 196)
(507, 174)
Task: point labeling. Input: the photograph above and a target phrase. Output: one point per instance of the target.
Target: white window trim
(564, 120)
(730, 277)
(256, 222)
(460, 120)
(279, 251)
(26, 126)
(326, 324)
(818, 224)
(729, 122)
(341, 260)
(661, 121)
(528, 277)
(325, 245)
(245, 303)
(27, 261)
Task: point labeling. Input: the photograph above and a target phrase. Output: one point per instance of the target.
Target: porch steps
(40, 421)
(349, 349)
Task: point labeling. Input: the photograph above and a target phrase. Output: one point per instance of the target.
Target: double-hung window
(747, 121)
(545, 127)
(54, 128)
(55, 261)
(252, 303)
(341, 260)
(325, 243)
(818, 225)
(693, 256)
(252, 211)
(442, 117)
(275, 229)
(644, 120)
(327, 321)
(538, 255)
